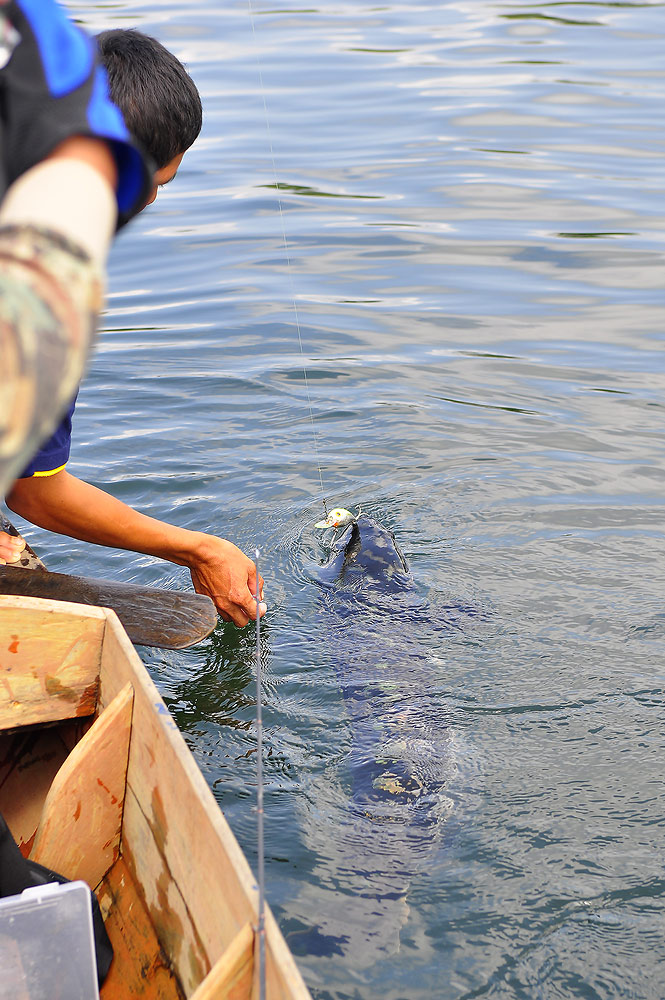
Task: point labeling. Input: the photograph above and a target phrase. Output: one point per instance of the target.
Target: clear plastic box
(47, 949)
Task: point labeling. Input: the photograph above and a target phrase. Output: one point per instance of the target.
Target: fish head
(362, 554)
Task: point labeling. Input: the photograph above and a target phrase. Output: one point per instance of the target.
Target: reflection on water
(472, 197)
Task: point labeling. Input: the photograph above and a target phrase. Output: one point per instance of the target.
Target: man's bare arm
(69, 506)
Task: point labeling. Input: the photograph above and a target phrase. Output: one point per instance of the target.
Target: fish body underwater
(387, 799)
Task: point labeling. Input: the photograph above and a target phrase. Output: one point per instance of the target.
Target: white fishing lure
(337, 517)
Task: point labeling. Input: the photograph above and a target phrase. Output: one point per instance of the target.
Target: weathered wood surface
(28, 764)
(199, 888)
(49, 660)
(140, 967)
(232, 975)
(178, 857)
(171, 619)
(79, 831)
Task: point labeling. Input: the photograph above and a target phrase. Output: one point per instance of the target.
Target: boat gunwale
(285, 976)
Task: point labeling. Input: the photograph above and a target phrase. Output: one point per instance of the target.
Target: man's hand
(224, 573)
(10, 548)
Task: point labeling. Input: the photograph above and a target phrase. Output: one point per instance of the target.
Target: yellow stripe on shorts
(50, 472)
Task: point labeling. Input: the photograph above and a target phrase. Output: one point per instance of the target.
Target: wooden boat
(96, 782)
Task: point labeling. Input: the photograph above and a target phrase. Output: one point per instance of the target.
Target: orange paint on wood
(139, 967)
(83, 809)
(196, 883)
(180, 892)
(49, 666)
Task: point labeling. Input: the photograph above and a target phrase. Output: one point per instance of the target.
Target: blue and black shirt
(54, 453)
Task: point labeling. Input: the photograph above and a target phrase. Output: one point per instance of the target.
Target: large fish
(365, 551)
(387, 801)
(381, 657)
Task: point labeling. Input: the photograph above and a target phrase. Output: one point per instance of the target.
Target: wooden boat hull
(96, 782)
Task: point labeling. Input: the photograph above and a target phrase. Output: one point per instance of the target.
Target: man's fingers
(10, 547)
(252, 582)
(233, 614)
(242, 615)
(229, 577)
(263, 607)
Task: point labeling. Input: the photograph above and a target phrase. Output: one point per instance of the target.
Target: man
(69, 173)
(162, 108)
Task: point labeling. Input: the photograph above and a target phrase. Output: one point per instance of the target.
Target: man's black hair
(157, 96)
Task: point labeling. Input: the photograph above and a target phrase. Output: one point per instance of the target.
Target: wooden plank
(79, 832)
(231, 976)
(49, 660)
(178, 844)
(178, 854)
(152, 617)
(139, 967)
(168, 909)
(28, 764)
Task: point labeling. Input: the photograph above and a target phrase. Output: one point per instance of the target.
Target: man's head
(158, 98)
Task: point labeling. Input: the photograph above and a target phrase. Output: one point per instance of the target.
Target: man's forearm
(69, 506)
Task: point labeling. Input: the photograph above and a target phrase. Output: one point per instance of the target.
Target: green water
(472, 197)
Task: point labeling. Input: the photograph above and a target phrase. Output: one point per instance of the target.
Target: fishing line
(288, 259)
(261, 930)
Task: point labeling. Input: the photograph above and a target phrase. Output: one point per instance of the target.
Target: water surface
(472, 198)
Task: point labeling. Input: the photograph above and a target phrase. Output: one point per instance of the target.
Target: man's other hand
(10, 548)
